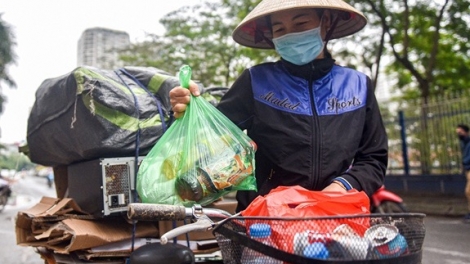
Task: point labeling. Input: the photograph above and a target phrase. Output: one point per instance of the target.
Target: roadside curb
(435, 204)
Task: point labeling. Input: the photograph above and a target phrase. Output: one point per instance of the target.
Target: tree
(427, 42)
(200, 36)
(363, 51)
(7, 57)
(11, 159)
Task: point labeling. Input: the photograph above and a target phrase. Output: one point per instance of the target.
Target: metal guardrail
(422, 138)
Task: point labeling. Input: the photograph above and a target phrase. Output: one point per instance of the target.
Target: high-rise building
(99, 47)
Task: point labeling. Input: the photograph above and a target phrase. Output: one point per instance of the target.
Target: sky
(47, 33)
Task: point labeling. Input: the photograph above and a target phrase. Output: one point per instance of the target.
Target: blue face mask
(300, 47)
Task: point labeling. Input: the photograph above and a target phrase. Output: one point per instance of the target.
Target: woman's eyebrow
(293, 18)
(300, 15)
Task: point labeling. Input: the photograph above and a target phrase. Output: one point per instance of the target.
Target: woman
(316, 124)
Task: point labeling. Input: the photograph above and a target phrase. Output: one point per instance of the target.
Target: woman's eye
(300, 23)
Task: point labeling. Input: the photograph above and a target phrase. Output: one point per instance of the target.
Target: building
(98, 47)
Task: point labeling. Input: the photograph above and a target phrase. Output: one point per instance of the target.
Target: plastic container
(316, 250)
(260, 233)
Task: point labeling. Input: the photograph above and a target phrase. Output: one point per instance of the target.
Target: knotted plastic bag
(200, 158)
(296, 201)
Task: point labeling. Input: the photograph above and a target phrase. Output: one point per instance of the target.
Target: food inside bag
(200, 158)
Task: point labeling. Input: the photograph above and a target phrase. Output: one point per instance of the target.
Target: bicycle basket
(381, 238)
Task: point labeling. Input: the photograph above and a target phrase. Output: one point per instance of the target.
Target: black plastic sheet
(94, 113)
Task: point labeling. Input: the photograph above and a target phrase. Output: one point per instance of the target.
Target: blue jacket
(311, 123)
(465, 145)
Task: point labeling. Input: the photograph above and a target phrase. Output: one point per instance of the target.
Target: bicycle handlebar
(157, 212)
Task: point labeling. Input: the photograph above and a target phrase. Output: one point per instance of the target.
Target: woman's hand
(179, 98)
(335, 187)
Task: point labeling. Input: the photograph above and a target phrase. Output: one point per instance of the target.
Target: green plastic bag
(200, 158)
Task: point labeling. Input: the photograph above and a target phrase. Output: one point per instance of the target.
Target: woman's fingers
(194, 88)
(180, 97)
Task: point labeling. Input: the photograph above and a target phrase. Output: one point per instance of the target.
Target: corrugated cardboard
(42, 216)
(60, 225)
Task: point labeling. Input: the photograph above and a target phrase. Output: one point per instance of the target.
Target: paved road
(26, 193)
(447, 241)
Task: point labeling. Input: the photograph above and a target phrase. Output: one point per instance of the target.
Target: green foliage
(15, 161)
(422, 44)
(7, 57)
(427, 41)
(200, 36)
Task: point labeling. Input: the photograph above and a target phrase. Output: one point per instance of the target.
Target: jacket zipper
(315, 170)
(267, 181)
(271, 173)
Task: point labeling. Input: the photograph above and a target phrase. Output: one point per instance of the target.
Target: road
(26, 193)
(447, 239)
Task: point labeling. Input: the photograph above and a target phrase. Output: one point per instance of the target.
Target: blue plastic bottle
(316, 250)
(261, 233)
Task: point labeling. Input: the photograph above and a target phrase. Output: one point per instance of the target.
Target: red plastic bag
(298, 202)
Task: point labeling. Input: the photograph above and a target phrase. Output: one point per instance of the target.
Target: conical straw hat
(252, 28)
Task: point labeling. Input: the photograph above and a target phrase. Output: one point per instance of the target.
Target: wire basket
(375, 238)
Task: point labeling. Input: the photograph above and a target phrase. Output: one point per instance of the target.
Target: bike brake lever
(203, 223)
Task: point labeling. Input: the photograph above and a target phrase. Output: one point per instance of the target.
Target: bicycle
(231, 233)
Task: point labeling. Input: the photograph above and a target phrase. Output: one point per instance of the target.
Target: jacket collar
(311, 71)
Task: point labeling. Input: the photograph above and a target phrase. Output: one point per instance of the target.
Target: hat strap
(332, 28)
(259, 34)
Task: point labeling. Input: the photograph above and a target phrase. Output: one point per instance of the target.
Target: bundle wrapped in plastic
(92, 113)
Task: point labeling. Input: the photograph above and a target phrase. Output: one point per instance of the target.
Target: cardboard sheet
(60, 225)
